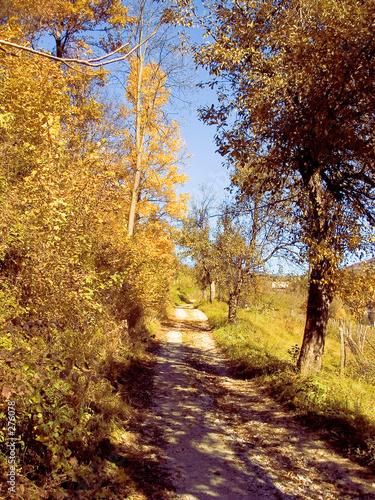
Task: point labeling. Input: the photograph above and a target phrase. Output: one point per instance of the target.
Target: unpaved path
(221, 438)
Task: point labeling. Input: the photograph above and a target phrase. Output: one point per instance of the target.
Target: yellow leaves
(356, 285)
(160, 154)
(30, 95)
(153, 92)
(65, 257)
(53, 126)
(118, 15)
(5, 119)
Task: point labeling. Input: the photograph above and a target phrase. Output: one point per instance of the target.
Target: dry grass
(265, 343)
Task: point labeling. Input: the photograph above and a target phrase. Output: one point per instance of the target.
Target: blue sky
(205, 165)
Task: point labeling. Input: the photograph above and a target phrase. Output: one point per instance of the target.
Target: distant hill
(362, 266)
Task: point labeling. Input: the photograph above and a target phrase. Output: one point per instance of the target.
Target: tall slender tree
(160, 54)
(153, 149)
(196, 239)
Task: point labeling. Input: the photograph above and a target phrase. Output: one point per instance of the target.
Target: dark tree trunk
(232, 311)
(318, 228)
(60, 40)
(233, 303)
(59, 45)
(310, 359)
(59, 48)
(233, 300)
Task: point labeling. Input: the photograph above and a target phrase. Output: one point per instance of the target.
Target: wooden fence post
(342, 326)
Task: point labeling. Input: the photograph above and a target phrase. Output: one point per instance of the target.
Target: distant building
(280, 285)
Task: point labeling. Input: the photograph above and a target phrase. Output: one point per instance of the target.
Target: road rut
(222, 438)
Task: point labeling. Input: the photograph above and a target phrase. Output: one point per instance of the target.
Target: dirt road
(221, 438)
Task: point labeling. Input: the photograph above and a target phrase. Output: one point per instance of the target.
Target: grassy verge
(180, 295)
(264, 344)
(184, 289)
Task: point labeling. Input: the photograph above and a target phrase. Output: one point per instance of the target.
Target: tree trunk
(233, 300)
(317, 229)
(138, 149)
(59, 44)
(310, 359)
(232, 311)
(233, 305)
(212, 291)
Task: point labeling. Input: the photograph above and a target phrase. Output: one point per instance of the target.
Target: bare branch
(92, 63)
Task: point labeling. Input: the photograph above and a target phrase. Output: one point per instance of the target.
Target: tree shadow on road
(236, 407)
(193, 434)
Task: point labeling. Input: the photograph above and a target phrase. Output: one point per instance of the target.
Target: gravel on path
(222, 438)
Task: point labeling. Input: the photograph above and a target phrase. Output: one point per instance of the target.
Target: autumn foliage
(295, 116)
(76, 292)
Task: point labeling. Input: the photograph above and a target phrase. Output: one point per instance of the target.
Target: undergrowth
(71, 399)
(265, 344)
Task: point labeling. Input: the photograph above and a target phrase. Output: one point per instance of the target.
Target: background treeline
(79, 293)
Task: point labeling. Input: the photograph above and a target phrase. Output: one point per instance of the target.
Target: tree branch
(8, 53)
(92, 63)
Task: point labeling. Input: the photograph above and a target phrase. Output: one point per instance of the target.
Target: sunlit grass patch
(265, 344)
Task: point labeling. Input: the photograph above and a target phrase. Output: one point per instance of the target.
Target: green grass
(184, 289)
(180, 296)
(265, 343)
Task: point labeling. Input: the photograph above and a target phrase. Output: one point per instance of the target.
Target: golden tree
(65, 263)
(71, 24)
(153, 150)
(299, 78)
